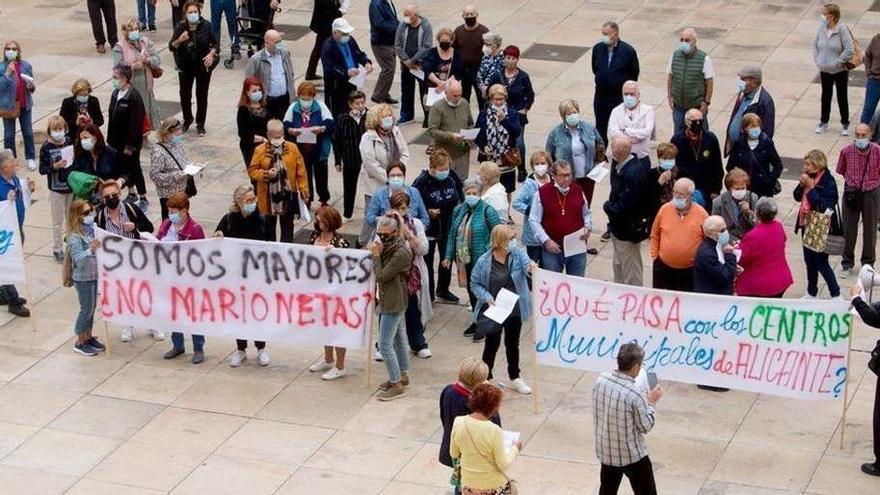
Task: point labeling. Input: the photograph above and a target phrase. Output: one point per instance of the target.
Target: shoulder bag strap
(171, 155)
(490, 459)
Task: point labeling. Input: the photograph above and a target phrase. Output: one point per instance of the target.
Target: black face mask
(470, 21)
(696, 126)
(445, 45)
(112, 202)
(386, 238)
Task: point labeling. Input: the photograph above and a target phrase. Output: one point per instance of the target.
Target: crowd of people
(707, 212)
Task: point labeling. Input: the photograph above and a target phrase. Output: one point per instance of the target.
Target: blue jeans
(27, 132)
(146, 13)
(392, 345)
(872, 96)
(415, 331)
(678, 119)
(88, 299)
(229, 9)
(555, 262)
(177, 342)
(818, 263)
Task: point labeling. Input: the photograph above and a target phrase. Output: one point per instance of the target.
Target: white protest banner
(238, 288)
(787, 347)
(11, 257)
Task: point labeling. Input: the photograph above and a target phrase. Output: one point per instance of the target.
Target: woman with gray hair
(765, 272)
(715, 263)
(491, 66)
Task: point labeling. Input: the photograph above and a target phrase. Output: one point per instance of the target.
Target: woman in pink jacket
(765, 270)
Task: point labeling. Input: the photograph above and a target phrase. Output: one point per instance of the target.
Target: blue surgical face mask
(82, 98)
(89, 219)
(572, 119)
(256, 96)
(175, 218)
(192, 17)
(754, 132)
(11, 54)
(513, 244)
(249, 208)
(441, 175)
(823, 20)
(471, 200)
(605, 39)
(177, 139)
(740, 86)
(667, 164)
(345, 38)
(305, 103)
(87, 144)
(862, 143)
(630, 101)
(115, 83)
(680, 203)
(387, 123)
(724, 238)
(134, 35)
(58, 135)
(396, 182)
(280, 46)
(685, 47)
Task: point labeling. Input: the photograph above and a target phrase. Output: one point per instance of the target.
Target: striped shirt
(117, 228)
(851, 165)
(621, 417)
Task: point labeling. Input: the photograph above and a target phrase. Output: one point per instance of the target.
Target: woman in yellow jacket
(280, 174)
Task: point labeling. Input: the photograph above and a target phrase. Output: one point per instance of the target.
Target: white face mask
(739, 194)
(58, 135)
(541, 170)
(276, 141)
(487, 51)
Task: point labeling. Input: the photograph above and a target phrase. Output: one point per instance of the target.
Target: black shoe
(479, 338)
(201, 131)
(152, 27)
(315, 77)
(391, 101)
(19, 310)
(96, 344)
(187, 125)
(871, 468)
(471, 331)
(710, 388)
(592, 251)
(448, 297)
(606, 236)
(3, 301)
(377, 101)
(173, 353)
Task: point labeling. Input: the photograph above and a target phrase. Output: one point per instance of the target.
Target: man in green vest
(689, 80)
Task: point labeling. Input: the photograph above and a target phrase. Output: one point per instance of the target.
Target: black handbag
(874, 363)
(852, 196)
(190, 188)
(486, 325)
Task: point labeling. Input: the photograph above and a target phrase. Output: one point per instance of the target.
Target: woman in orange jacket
(280, 174)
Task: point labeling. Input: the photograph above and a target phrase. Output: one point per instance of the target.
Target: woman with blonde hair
(817, 193)
(138, 52)
(540, 163)
(494, 193)
(17, 85)
(167, 161)
(500, 128)
(81, 108)
(54, 167)
(81, 247)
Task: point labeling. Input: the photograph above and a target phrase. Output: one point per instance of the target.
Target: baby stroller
(254, 18)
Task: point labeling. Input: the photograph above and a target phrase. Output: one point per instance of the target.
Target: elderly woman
(540, 163)
(81, 108)
(765, 271)
(167, 161)
(755, 153)
(715, 263)
(506, 266)
(440, 189)
(578, 142)
(251, 118)
(454, 402)
(392, 263)
(491, 64)
(137, 51)
(381, 145)
(817, 194)
(736, 205)
(443, 62)
(17, 83)
(663, 176)
(472, 224)
(494, 193)
(277, 168)
(11, 190)
(832, 49)
(500, 128)
(81, 246)
(675, 237)
(478, 444)
(196, 53)
(380, 203)
(520, 97)
(125, 133)
(309, 113)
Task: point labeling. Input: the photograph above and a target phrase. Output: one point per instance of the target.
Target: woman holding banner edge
(870, 314)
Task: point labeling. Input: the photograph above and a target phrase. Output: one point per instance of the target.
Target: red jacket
(190, 231)
(765, 270)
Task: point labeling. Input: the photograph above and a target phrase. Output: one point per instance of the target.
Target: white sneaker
(424, 353)
(808, 296)
(31, 165)
(844, 131)
(333, 374)
(377, 356)
(263, 357)
(521, 386)
(845, 273)
(821, 128)
(125, 334)
(320, 366)
(237, 358)
(158, 335)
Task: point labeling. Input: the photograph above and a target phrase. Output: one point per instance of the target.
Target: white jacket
(638, 125)
(375, 160)
(496, 197)
(425, 305)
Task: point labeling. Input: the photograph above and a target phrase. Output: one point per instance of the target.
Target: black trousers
(315, 57)
(242, 344)
(350, 174)
(511, 328)
(444, 275)
(666, 277)
(276, 106)
(336, 96)
(468, 82)
(830, 83)
(317, 174)
(107, 10)
(877, 423)
(408, 93)
(202, 81)
(177, 14)
(640, 475)
(132, 166)
(603, 104)
(286, 226)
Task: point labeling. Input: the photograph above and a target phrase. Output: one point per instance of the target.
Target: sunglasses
(112, 196)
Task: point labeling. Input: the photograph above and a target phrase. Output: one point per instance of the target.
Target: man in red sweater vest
(560, 209)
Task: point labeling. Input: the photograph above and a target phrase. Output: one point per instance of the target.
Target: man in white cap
(341, 58)
(751, 98)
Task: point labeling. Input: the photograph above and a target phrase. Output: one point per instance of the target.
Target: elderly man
(859, 164)
(11, 190)
(614, 62)
(699, 157)
(689, 79)
(412, 42)
(468, 44)
(445, 121)
(341, 57)
(623, 414)
(752, 98)
(633, 120)
(272, 66)
(675, 236)
(383, 29)
(627, 211)
(559, 210)
(715, 263)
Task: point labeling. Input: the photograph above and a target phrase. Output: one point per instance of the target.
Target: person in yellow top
(477, 443)
(279, 171)
(675, 236)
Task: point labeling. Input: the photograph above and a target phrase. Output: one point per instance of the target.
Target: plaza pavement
(132, 423)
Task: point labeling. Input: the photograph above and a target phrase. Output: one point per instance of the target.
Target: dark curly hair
(485, 399)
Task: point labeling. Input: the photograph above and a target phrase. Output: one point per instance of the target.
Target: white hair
(713, 224)
(685, 183)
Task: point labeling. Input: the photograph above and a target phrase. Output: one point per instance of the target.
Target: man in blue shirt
(10, 190)
(341, 56)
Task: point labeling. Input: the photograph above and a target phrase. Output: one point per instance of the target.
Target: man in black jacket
(323, 14)
(699, 158)
(627, 211)
(870, 314)
(341, 56)
(125, 129)
(614, 63)
(383, 27)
